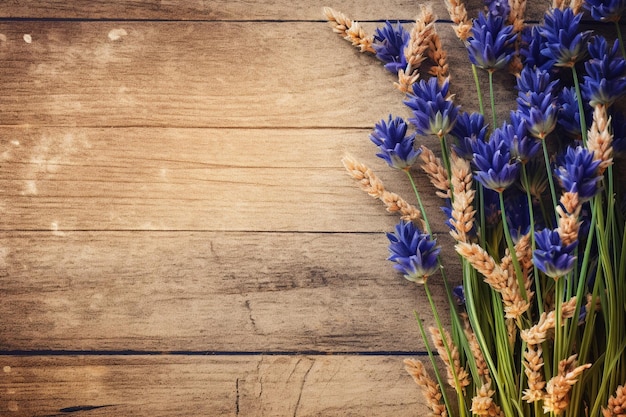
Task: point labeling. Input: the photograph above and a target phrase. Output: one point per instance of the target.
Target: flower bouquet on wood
(538, 324)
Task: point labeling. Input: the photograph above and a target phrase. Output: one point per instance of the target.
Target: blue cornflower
(565, 42)
(606, 73)
(495, 169)
(490, 46)
(434, 111)
(552, 257)
(537, 102)
(468, 128)
(498, 7)
(569, 116)
(396, 148)
(389, 43)
(530, 49)
(606, 10)
(517, 215)
(414, 252)
(578, 173)
(523, 147)
(458, 293)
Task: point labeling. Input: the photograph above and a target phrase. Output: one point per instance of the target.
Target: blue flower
(468, 128)
(537, 102)
(565, 42)
(495, 169)
(552, 257)
(530, 49)
(414, 253)
(605, 81)
(568, 115)
(578, 173)
(523, 147)
(606, 10)
(517, 216)
(490, 46)
(434, 111)
(498, 7)
(396, 148)
(389, 43)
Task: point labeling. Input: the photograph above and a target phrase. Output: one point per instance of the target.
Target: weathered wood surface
(190, 179)
(231, 10)
(170, 182)
(159, 386)
(205, 291)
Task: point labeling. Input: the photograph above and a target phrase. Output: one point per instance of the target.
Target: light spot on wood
(7, 369)
(30, 188)
(117, 34)
(12, 406)
(3, 37)
(28, 38)
(54, 226)
(15, 142)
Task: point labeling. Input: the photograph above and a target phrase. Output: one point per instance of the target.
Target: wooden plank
(62, 179)
(155, 386)
(219, 291)
(230, 10)
(200, 74)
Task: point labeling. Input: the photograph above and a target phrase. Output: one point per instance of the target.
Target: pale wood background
(178, 236)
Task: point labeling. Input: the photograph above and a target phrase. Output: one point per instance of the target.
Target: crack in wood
(306, 374)
(79, 408)
(237, 396)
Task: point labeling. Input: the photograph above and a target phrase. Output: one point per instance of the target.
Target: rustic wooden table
(178, 235)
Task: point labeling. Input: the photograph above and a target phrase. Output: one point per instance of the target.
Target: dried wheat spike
(483, 404)
(436, 172)
(516, 14)
(462, 210)
(430, 388)
(357, 36)
(541, 331)
(558, 387)
(439, 56)
(456, 373)
(568, 226)
(480, 260)
(600, 139)
(533, 362)
(477, 353)
(419, 39)
(405, 81)
(371, 184)
(616, 406)
(458, 14)
(349, 30)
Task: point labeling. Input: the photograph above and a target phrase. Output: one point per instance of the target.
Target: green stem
(419, 201)
(433, 362)
(478, 92)
(581, 110)
(511, 246)
(458, 387)
(492, 100)
(546, 158)
(531, 213)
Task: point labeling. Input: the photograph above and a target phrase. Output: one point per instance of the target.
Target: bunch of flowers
(538, 324)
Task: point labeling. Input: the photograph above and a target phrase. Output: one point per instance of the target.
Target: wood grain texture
(210, 291)
(192, 179)
(159, 386)
(202, 74)
(231, 10)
